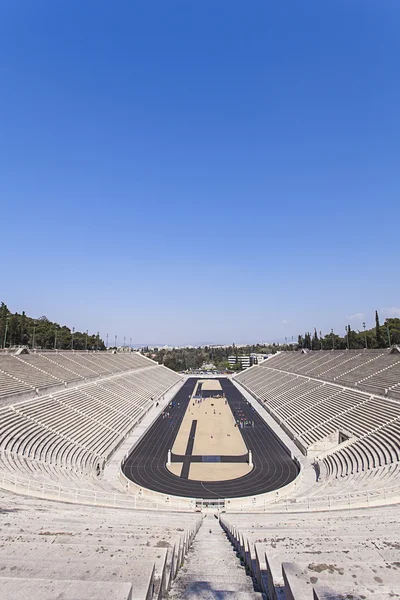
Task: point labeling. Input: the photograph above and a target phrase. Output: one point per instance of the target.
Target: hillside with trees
(17, 329)
(380, 336)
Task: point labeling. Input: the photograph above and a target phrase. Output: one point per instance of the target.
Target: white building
(257, 358)
(245, 361)
(248, 360)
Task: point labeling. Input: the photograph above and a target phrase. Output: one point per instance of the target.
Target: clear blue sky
(189, 171)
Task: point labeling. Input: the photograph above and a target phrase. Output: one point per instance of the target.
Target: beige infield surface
(216, 435)
(211, 384)
(218, 471)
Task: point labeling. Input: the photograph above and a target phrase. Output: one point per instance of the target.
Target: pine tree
(378, 332)
(23, 331)
(307, 340)
(347, 337)
(4, 312)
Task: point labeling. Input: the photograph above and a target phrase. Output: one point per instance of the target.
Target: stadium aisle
(212, 570)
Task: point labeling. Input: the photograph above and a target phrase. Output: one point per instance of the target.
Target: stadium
(281, 481)
(199, 300)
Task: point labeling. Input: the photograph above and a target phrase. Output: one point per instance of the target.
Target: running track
(273, 467)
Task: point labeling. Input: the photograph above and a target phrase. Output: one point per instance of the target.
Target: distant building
(257, 358)
(208, 367)
(245, 361)
(248, 360)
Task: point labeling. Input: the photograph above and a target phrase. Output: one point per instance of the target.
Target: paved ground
(273, 467)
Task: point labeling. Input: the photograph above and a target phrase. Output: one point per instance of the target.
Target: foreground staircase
(212, 570)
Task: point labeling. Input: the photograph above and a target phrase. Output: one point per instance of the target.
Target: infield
(146, 465)
(215, 434)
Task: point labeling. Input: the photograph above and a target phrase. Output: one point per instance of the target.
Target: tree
(23, 332)
(315, 339)
(13, 334)
(378, 332)
(307, 340)
(20, 331)
(393, 325)
(4, 312)
(237, 366)
(348, 336)
(172, 363)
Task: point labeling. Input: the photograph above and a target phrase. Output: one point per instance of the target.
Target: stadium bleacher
(316, 394)
(377, 371)
(64, 414)
(42, 372)
(55, 442)
(319, 555)
(71, 433)
(60, 550)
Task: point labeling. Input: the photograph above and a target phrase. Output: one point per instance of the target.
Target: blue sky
(185, 172)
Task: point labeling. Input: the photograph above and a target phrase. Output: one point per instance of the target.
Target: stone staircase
(212, 570)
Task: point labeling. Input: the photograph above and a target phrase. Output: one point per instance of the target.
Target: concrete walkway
(212, 570)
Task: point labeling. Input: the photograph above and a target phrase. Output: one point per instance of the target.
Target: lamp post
(333, 340)
(115, 341)
(107, 340)
(72, 338)
(33, 339)
(124, 342)
(365, 335)
(347, 336)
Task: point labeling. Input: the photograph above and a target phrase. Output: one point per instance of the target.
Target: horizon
(387, 314)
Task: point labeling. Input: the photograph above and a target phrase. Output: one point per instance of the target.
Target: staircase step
(205, 592)
(226, 582)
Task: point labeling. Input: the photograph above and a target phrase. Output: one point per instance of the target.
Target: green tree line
(17, 329)
(380, 336)
(181, 359)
